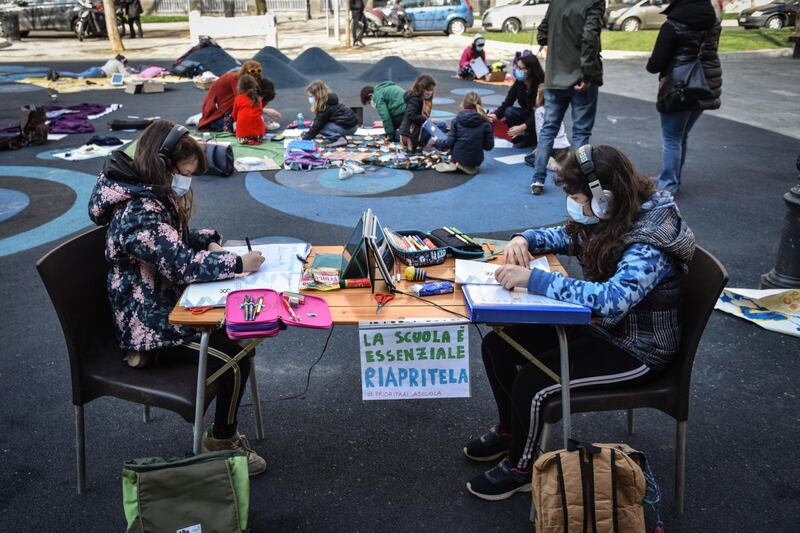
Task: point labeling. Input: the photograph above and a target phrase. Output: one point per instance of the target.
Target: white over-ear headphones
(601, 198)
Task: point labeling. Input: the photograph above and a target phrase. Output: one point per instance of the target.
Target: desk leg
(200, 399)
(565, 405)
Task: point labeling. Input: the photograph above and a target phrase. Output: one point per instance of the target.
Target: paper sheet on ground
(89, 151)
(502, 143)
(254, 164)
(281, 271)
(292, 133)
(510, 159)
(482, 273)
(773, 309)
(370, 131)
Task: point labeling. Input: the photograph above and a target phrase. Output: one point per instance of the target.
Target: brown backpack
(590, 487)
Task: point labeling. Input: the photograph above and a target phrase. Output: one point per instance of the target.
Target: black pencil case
(460, 244)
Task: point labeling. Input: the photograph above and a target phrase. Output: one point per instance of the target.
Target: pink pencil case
(312, 312)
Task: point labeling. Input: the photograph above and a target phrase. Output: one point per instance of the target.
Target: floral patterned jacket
(151, 258)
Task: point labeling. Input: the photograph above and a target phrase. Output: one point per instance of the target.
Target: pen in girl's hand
(247, 240)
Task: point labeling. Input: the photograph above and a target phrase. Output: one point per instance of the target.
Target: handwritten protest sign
(414, 362)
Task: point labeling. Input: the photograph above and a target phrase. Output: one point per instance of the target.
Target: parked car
(774, 15)
(635, 15)
(519, 15)
(34, 15)
(449, 16)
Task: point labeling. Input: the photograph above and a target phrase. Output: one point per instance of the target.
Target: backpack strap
(563, 490)
(614, 514)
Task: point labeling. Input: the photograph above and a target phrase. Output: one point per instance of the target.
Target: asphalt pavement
(337, 463)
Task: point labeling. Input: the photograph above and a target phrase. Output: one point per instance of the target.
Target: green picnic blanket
(272, 150)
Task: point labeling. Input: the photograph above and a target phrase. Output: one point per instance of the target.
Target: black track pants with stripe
(231, 383)
(519, 387)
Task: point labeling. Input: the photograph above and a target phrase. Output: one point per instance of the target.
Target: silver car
(516, 16)
(635, 15)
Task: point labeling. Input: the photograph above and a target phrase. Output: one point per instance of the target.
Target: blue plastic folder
(492, 304)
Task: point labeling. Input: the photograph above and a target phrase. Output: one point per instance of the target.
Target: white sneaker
(354, 167)
(345, 172)
(272, 126)
(193, 120)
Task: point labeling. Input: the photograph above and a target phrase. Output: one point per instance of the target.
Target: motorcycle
(92, 19)
(392, 18)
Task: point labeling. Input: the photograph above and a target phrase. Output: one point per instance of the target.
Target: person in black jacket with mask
(690, 32)
(520, 120)
(359, 22)
(333, 119)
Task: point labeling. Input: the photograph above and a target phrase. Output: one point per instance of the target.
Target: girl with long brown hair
(146, 202)
(469, 135)
(419, 104)
(333, 119)
(634, 248)
(250, 125)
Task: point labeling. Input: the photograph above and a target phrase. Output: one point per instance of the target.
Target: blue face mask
(520, 75)
(575, 212)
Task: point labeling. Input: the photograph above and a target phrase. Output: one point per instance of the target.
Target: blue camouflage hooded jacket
(151, 258)
(638, 308)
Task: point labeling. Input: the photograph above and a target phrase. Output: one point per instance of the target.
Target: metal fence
(215, 6)
(182, 6)
(286, 5)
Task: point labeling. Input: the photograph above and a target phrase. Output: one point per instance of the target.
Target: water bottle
(300, 123)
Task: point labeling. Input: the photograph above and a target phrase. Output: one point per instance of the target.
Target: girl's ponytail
(472, 100)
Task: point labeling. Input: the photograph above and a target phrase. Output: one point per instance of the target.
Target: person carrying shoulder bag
(690, 75)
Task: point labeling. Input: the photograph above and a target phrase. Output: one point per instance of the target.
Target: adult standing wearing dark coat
(133, 12)
(358, 21)
(690, 32)
(573, 74)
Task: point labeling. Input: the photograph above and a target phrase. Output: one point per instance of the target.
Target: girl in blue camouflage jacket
(146, 203)
(632, 263)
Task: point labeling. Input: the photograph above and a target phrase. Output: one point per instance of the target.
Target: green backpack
(206, 493)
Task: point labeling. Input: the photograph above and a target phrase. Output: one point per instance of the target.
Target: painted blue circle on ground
(493, 99)
(76, 217)
(501, 193)
(12, 202)
(11, 88)
(438, 113)
(464, 90)
(327, 181)
(437, 100)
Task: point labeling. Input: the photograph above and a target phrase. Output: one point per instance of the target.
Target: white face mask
(575, 211)
(372, 102)
(427, 95)
(181, 184)
(311, 100)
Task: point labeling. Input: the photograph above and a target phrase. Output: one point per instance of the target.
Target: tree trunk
(111, 26)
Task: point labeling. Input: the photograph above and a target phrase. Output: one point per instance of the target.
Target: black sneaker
(490, 446)
(500, 482)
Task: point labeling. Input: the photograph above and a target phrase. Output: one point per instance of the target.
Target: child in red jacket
(247, 112)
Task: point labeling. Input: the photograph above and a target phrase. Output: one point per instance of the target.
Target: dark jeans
(556, 101)
(514, 117)
(520, 388)
(231, 383)
(138, 22)
(359, 25)
(675, 128)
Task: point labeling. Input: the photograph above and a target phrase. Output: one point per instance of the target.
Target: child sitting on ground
(561, 146)
(470, 134)
(419, 104)
(247, 112)
(333, 119)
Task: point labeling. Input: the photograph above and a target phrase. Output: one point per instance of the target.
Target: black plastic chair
(74, 275)
(669, 392)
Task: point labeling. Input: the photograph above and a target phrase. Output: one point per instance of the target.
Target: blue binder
(524, 309)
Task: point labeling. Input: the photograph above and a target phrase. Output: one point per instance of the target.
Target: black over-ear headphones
(601, 198)
(170, 142)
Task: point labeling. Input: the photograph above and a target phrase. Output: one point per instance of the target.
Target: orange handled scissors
(382, 300)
